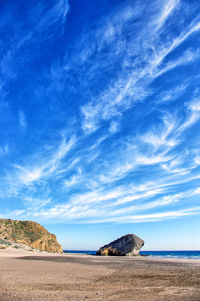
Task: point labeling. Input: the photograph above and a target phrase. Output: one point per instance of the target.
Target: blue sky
(100, 119)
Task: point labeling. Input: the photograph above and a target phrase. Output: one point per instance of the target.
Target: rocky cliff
(29, 233)
(129, 244)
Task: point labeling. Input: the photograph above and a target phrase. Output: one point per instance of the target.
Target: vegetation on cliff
(29, 233)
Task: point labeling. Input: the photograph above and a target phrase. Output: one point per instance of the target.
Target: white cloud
(44, 167)
(161, 135)
(166, 200)
(137, 196)
(197, 160)
(187, 57)
(71, 181)
(22, 120)
(94, 214)
(94, 183)
(173, 93)
(153, 217)
(99, 141)
(4, 150)
(133, 86)
(33, 203)
(167, 10)
(114, 126)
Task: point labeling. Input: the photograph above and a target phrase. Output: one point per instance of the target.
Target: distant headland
(29, 233)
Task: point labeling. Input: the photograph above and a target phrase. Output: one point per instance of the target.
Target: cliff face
(29, 233)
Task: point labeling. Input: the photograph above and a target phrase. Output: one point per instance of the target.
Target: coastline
(48, 276)
(185, 254)
(16, 253)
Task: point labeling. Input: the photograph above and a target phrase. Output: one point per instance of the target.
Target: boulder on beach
(126, 245)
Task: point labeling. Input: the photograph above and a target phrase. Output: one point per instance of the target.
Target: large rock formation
(129, 244)
(29, 233)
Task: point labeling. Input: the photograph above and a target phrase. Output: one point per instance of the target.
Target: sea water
(163, 254)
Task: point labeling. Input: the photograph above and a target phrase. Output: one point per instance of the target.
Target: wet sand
(69, 277)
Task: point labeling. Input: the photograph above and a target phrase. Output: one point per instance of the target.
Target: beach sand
(41, 276)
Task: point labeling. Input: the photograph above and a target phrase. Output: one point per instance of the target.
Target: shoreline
(177, 254)
(16, 253)
(48, 276)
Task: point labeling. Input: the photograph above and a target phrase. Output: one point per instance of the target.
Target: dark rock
(129, 244)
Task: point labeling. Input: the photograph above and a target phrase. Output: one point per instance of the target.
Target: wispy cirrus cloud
(28, 176)
(136, 75)
(26, 179)
(124, 93)
(46, 20)
(86, 209)
(166, 11)
(155, 217)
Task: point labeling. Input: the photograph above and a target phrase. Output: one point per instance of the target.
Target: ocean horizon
(184, 254)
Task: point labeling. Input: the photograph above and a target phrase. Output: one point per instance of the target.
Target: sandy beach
(68, 277)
